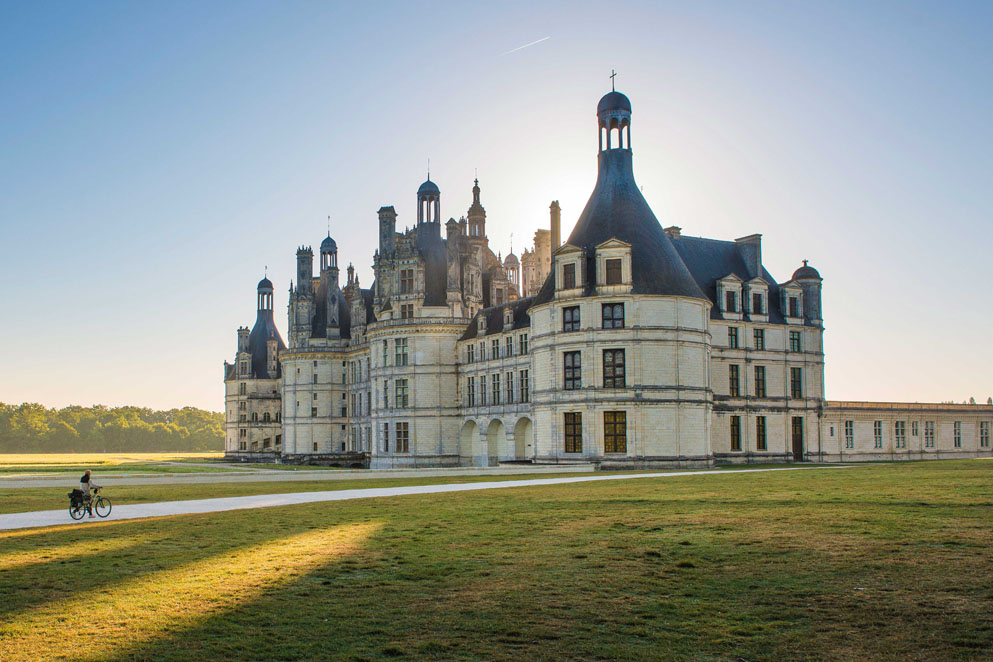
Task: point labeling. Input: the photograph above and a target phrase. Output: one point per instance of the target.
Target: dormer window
(508, 317)
(794, 306)
(613, 271)
(792, 303)
(731, 301)
(481, 324)
(568, 276)
(758, 305)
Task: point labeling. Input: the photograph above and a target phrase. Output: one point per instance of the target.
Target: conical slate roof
(617, 209)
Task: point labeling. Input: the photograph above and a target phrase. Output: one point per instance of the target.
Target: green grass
(14, 465)
(888, 562)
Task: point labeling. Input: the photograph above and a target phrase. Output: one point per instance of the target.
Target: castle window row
(612, 317)
(900, 434)
(614, 369)
(614, 432)
(502, 389)
(474, 352)
(759, 339)
(761, 432)
(760, 391)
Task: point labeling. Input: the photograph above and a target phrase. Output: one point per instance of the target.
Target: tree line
(32, 428)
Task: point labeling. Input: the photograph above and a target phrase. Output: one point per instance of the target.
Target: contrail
(514, 50)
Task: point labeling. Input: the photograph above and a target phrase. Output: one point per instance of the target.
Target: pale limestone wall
(304, 428)
(493, 432)
(864, 415)
(248, 412)
(779, 407)
(666, 398)
(432, 412)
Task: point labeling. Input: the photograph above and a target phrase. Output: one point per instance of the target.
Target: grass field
(888, 562)
(21, 464)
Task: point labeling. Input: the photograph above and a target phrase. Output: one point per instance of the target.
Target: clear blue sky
(154, 157)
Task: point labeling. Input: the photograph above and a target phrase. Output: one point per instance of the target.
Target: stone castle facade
(628, 345)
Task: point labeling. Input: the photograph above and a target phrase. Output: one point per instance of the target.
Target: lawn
(887, 562)
(19, 465)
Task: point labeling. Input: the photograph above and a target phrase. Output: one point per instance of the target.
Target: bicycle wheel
(102, 507)
(77, 512)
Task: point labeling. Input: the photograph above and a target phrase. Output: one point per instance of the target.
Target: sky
(157, 158)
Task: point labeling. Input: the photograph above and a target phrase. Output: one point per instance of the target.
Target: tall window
(568, 276)
(794, 307)
(615, 432)
(796, 344)
(522, 342)
(315, 378)
(495, 381)
(984, 434)
(471, 391)
(482, 390)
(734, 380)
(510, 388)
(242, 389)
(470, 353)
(402, 393)
(406, 281)
(849, 434)
(877, 434)
(406, 311)
(736, 433)
(759, 338)
(760, 433)
(573, 432)
(482, 351)
(495, 348)
(928, 434)
(733, 337)
(731, 301)
(401, 351)
(386, 394)
(525, 387)
(796, 382)
(313, 412)
(759, 381)
(386, 352)
(508, 346)
(572, 367)
(613, 315)
(757, 307)
(386, 437)
(915, 429)
(900, 434)
(957, 434)
(403, 437)
(570, 318)
(613, 272)
(613, 368)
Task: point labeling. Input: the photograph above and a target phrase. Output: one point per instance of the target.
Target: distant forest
(32, 428)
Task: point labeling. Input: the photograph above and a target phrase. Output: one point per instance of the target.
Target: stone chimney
(750, 249)
(556, 224)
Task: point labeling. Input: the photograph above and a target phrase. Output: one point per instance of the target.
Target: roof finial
(511, 242)
(265, 273)
(804, 263)
(612, 74)
(329, 225)
(429, 168)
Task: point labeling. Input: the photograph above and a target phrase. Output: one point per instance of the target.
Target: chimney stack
(556, 220)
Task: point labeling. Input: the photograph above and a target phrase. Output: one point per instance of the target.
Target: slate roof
(435, 254)
(709, 260)
(265, 328)
(617, 209)
(494, 318)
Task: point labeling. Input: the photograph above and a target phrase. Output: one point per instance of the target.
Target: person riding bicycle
(85, 484)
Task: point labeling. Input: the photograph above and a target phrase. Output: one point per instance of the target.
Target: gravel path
(167, 508)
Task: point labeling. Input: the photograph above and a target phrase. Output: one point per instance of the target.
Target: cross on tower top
(612, 74)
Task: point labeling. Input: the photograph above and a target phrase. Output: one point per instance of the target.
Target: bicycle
(79, 506)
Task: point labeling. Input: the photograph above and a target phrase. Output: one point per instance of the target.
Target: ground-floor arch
(494, 433)
(523, 439)
(470, 444)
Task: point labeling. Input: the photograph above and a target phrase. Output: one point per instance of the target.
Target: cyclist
(85, 484)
